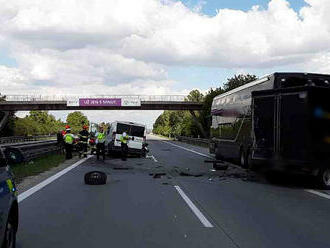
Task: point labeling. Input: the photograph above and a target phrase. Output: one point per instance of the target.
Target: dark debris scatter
(158, 175)
(185, 174)
(122, 168)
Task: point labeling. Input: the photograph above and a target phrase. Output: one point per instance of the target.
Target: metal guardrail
(19, 139)
(194, 141)
(22, 152)
(34, 98)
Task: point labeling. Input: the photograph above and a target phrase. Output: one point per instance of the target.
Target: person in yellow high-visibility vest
(68, 139)
(124, 138)
(100, 146)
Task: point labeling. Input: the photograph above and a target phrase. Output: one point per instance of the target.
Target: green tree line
(196, 123)
(43, 123)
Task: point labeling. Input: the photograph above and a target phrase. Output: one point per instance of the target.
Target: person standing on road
(100, 146)
(124, 147)
(83, 141)
(68, 139)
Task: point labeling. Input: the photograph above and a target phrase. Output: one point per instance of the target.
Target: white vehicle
(135, 131)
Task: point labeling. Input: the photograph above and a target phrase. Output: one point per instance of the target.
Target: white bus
(135, 131)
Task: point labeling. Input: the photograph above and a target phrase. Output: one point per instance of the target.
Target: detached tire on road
(95, 178)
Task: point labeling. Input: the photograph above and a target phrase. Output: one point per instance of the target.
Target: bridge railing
(34, 98)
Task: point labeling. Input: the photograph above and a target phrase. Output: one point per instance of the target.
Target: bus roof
(245, 86)
(266, 78)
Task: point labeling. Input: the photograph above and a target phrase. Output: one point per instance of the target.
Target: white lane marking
(153, 157)
(44, 183)
(184, 148)
(318, 193)
(192, 206)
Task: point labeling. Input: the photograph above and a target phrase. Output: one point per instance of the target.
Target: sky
(154, 47)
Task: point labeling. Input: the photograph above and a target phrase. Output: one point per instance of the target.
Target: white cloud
(126, 46)
(167, 32)
(11, 78)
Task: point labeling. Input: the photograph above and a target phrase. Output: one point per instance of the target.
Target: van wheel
(324, 178)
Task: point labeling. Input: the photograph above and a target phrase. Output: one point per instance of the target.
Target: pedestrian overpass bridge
(100, 102)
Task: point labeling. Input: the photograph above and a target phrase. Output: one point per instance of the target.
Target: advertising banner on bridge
(130, 102)
(100, 102)
(72, 102)
(104, 102)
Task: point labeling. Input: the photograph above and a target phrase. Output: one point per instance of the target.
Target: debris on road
(158, 175)
(122, 168)
(185, 174)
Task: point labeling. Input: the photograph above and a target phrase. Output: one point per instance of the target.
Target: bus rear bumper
(290, 166)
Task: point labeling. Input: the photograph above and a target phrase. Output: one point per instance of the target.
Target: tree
(27, 127)
(196, 123)
(194, 96)
(206, 118)
(76, 120)
(238, 80)
(2, 98)
(37, 123)
(6, 120)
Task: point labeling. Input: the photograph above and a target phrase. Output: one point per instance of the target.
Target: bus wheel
(324, 178)
(218, 155)
(243, 159)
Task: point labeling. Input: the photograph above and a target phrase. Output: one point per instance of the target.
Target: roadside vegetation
(36, 166)
(42, 123)
(196, 123)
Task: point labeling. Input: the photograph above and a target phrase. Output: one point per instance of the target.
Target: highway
(137, 208)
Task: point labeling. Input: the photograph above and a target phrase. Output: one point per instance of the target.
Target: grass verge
(36, 166)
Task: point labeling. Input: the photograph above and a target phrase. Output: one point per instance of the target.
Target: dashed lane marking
(193, 207)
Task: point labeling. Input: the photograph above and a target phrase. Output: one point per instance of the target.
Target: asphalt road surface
(189, 206)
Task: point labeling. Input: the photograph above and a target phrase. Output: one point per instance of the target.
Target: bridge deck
(62, 105)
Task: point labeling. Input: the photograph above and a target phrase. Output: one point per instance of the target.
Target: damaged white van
(136, 133)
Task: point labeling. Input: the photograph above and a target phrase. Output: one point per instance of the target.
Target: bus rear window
(286, 82)
(137, 131)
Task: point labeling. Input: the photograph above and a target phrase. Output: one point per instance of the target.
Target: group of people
(83, 136)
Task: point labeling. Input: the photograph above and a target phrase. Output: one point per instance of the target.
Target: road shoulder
(32, 181)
